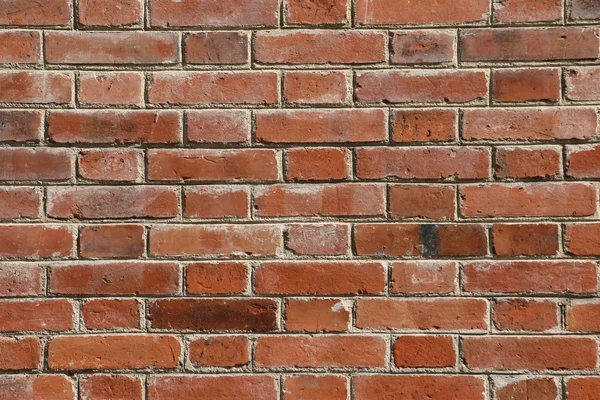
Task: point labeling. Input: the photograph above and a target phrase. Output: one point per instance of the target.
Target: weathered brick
(36, 241)
(522, 85)
(529, 44)
(213, 165)
(320, 126)
(414, 314)
(20, 47)
(110, 165)
(319, 278)
(218, 126)
(528, 163)
(111, 126)
(582, 161)
(434, 12)
(525, 239)
(317, 164)
(584, 10)
(541, 388)
(18, 354)
(116, 202)
(35, 164)
(36, 87)
(315, 387)
(327, 239)
(582, 388)
(20, 125)
(110, 12)
(216, 202)
(423, 277)
(219, 351)
(422, 201)
(531, 353)
(532, 200)
(27, 12)
(118, 278)
(423, 47)
(71, 353)
(213, 278)
(111, 48)
(99, 386)
(434, 387)
(214, 314)
(320, 47)
(316, 315)
(432, 163)
(112, 241)
(320, 351)
(20, 280)
(310, 12)
(525, 315)
(518, 11)
(539, 124)
(534, 277)
(197, 387)
(37, 387)
(206, 240)
(216, 48)
(111, 314)
(189, 88)
(316, 88)
(424, 125)
(112, 88)
(47, 315)
(430, 87)
(17, 203)
(424, 352)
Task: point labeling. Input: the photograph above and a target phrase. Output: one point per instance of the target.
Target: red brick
(219, 351)
(216, 202)
(20, 125)
(35, 241)
(112, 241)
(36, 387)
(430, 240)
(529, 44)
(582, 83)
(583, 239)
(326, 88)
(317, 240)
(111, 126)
(205, 13)
(112, 48)
(20, 280)
(107, 352)
(111, 88)
(320, 12)
(530, 353)
(582, 316)
(530, 277)
(112, 202)
(36, 315)
(216, 48)
(448, 163)
(520, 85)
(317, 164)
(110, 165)
(532, 162)
(525, 239)
(321, 126)
(213, 165)
(36, 87)
(20, 47)
(218, 126)
(583, 388)
(528, 200)
(98, 387)
(23, 353)
(424, 352)
(190, 88)
(525, 315)
(424, 125)
(215, 240)
(413, 314)
(320, 278)
(320, 47)
(197, 387)
(583, 161)
(529, 124)
(27, 12)
(214, 314)
(413, 86)
(117, 278)
(432, 387)
(423, 277)
(111, 314)
(524, 389)
(315, 387)
(435, 12)
(422, 201)
(515, 11)
(316, 315)
(423, 47)
(110, 12)
(584, 10)
(35, 164)
(320, 200)
(216, 278)
(320, 351)
(16, 203)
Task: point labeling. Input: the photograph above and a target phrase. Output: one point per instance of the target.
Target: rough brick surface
(299, 199)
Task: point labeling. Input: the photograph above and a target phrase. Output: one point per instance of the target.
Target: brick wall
(299, 199)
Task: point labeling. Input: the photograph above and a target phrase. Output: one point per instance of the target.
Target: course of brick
(299, 199)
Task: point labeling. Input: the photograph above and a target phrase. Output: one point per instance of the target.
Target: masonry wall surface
(299, 199)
